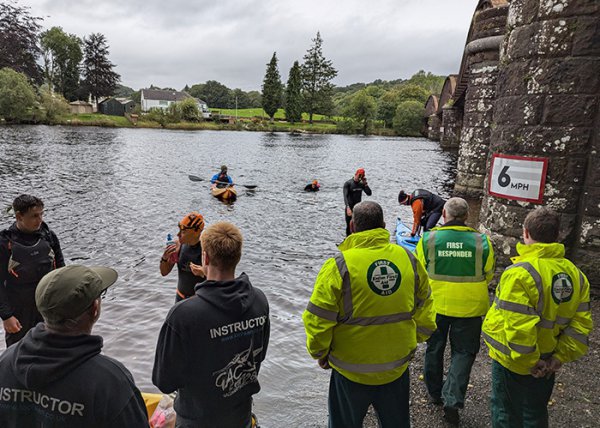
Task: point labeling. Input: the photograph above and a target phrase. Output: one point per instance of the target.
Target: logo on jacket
(240, 372)
(383, 277)
(562, 288)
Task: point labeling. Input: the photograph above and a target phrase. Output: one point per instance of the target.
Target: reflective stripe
(321, 313)
(371, 368)
(413, 262)
(514, 307)
(495, 344)
(452, 278)
(538, 283)
(346, 287)
(424, 331)
(584, 307)
(582, 338)
(521, 349)
(319, 354)
(545, 323)
(379, 320)
(562, 320)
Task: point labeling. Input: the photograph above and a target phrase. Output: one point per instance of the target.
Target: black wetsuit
(33, 255)
(352, 196)
(310, 188)
(432, 207)
(186, 280)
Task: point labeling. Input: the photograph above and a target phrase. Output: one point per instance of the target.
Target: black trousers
(24, 309)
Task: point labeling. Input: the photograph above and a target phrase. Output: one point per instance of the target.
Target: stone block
(586, 41)
(564, 75)
(591, 199)
(521, 12)
(482, 92)
(520, 42)
(480, 135)
(587, 261)
(478, 105)
(477, 119)
(570, 110)
(555, 38)
(564, 8)
(518, 110)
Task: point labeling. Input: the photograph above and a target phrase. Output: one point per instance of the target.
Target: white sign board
(518, 177)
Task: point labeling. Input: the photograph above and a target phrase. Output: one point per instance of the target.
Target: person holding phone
(353, 189)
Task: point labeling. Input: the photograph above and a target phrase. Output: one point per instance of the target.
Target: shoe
(451, 415)
(436, 401)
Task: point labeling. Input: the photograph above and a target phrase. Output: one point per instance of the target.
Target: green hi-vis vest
(370, 306)
(460, 263)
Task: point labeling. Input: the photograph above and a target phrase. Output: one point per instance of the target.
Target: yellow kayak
(224, 193)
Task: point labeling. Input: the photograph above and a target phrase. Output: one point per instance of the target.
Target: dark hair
(543, 225)
(367, 215)
(24, 203)
(402, 196)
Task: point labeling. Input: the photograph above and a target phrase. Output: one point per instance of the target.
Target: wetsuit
(427, 209)
(186, 279)
(311, 188)
(352, 196)
(222, 180)
(24, 259)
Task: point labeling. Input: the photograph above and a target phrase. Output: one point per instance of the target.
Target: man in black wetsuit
(186, 253)
(28, 251)
(426, 206)
(353, 189)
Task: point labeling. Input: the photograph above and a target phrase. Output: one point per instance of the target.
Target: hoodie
(56, 380)
(210, 349)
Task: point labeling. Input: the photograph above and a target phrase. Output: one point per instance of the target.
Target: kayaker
(28, 251)
(312, 187)
(221, 179)
(211, 346)
(56, 376)
(426, 206)
(353, 189)
(186, 253)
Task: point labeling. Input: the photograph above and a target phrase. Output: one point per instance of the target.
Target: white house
(158, 98)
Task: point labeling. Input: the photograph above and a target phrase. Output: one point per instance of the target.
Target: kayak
(403, 236)
(228, 194)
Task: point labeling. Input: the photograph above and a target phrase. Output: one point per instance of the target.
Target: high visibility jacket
(460, 264)
(370, 306)
(541, 309)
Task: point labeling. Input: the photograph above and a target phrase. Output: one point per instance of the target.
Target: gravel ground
(575, 401)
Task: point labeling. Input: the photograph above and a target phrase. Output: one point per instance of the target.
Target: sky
(171, 43)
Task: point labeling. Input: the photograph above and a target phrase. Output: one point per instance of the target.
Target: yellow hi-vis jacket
(460, 264)
(541, 309)
(370, 306)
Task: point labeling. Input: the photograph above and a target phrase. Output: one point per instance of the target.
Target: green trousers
(519, 401)
(465, 340)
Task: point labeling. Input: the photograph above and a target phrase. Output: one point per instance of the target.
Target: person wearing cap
(353, 189)
(221, 179)
(211, 346)
(56, 375)
(312, 187)
(186, 253)
(28, 251)
(426, 206)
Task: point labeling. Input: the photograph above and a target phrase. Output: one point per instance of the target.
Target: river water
(112, 195)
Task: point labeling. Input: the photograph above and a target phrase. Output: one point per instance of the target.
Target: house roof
(119, 100)
(80, 103)
(160, 95)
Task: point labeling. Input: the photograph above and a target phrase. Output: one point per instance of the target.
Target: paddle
(247, 186)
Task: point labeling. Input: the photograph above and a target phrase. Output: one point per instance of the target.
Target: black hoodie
(55, 380)
(210, 349)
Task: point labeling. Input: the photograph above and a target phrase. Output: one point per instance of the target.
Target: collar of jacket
(455, 225)
(366, 239)
(539, 250)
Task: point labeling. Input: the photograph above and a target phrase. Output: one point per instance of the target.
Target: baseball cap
(67, 292)
(193, 220)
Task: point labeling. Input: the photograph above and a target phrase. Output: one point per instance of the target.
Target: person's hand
(170, 250)
(348, 212)
(553, 365)
(539, 370)
(364, 180)
(12, 325)
(324, 363)
(197, 270)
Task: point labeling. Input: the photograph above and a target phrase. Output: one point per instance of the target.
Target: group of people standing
(372, 303)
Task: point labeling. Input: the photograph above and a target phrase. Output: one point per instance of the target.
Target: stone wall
(433, 131)
(452, 120)
(547, 104)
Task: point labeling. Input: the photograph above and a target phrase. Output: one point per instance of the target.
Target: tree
(62, 55)
(16, 95)
(54, 105)
(254, 99)
(19, 48)
(293, 95)
(432, 83)
(362, 108)
(215, 94)
(241, 98)
(408, 119)
(388, 103)
(189, 110)
(317, 73)
(100, 79)
(272, 90)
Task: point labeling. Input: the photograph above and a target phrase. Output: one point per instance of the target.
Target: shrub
(408, 118)
(17, 97)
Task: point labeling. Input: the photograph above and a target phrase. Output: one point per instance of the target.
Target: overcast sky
(178, 42)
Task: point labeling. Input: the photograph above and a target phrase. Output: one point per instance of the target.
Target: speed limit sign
(518, 177)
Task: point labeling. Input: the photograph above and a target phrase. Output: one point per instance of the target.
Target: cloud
(180, 42)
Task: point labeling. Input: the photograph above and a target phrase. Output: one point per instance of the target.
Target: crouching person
(211, 345)
(55, 376)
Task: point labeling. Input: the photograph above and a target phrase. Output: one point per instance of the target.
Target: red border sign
(542, 178)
